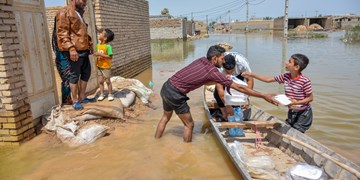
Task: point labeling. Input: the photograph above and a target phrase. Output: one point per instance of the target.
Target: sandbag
(64, 135)
(89, 134)
(109, 109)
(72, 136)
(85, 117)
(134, 85)
(126, 97)
(72, 127)
(53, 118)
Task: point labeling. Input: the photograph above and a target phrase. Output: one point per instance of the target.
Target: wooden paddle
(346, 167)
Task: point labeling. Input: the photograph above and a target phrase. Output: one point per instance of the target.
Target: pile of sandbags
(301, 28)
(315, 27)
(67, 122)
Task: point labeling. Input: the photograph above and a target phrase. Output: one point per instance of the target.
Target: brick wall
(130, 23)
(264, 24)
(167, 29)
(201, 26)
(16, 124)
(190, 28)
(129, 20)
(50, 15)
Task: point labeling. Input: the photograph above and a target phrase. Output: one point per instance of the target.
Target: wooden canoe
(285, 145)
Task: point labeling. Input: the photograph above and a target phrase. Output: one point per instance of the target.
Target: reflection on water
(176, 50)
(131, 152)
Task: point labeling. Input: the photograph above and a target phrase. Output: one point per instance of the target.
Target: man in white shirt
(242, 65)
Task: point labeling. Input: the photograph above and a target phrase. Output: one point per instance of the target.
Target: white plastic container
(236, 98)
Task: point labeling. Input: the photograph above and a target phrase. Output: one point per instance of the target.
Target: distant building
(168, 27)
(346, 21)
(257, 23)
(325, 22)
(168, 16)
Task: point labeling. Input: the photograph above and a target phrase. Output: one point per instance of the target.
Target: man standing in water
(201, 71)
(74, 44)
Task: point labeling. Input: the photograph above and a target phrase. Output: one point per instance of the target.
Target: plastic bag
(262, 167)
(303, 171)
(238, 150)
(264, 162)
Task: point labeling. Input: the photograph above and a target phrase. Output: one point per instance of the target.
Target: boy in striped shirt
(298, 88)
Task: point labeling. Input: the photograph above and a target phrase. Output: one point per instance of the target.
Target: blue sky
(236, 9)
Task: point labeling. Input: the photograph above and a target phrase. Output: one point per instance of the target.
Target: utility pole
(229, 21)
(316, 13)
(286, 19)
(247, 16)
(192, 24)
(207, 25)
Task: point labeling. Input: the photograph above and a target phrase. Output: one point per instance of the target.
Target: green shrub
(318, 35)
(352, 35)
(306, 34)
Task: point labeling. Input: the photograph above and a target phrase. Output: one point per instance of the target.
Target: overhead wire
(258, 3)
(217, 8)
(221, 10)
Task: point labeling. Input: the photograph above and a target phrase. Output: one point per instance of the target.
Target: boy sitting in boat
(297, 88)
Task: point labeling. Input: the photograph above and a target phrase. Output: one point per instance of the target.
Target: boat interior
(269, 142)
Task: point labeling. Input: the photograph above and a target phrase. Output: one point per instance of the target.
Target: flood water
(131, 152)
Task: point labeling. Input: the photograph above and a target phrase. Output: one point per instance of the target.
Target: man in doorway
(201, 71)
(74, 43)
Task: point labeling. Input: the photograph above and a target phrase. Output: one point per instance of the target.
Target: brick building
(167, 27)
(27, 76)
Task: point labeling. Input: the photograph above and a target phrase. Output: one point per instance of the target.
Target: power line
(258, 3)
(222, 14)
(222, 7)
(222, 10)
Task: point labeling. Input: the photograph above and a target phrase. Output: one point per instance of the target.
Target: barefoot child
(298, 88)
(104, 56)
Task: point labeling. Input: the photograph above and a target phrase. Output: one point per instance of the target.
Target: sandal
(86, 100)
(77, 106)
